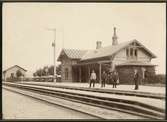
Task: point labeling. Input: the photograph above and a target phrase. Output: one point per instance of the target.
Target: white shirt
(93, 76)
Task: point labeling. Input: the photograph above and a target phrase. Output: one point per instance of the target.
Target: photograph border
(67, 1)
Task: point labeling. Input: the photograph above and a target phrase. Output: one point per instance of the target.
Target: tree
(39, 72)
(51, 70)
(34, 74)
(58, 69)
(18, 73)
(46, 70)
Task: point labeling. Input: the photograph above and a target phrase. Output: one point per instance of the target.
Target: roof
(136, 63)
(101, 52)
(105, 51)
(110, 50)
(72, 53)
(13, 67)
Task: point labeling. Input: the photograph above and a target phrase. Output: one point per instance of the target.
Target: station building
(11, 72)
(122, 57)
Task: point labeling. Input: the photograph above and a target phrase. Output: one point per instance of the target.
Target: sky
(27, 40)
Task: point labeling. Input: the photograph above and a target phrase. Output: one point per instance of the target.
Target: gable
(121, 56)
(62, 56)
(143, 51)
(13, 67)
(143, 54)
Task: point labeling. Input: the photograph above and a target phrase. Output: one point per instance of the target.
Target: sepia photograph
(96, 61)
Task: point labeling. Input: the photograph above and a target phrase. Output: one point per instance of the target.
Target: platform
(150, 89)
(158, 104)
(142, 88)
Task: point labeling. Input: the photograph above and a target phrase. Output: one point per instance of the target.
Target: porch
(81, 71)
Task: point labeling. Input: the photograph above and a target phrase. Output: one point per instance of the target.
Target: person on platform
(136, 79)
(104, 79)
(115, 79)
(92, 78)
(110, 79)
(117, 82)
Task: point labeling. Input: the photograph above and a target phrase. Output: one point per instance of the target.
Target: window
(136, 52)
(12, 75)
(131, 51)
(143, 72)
(66, 73)
(127, 52)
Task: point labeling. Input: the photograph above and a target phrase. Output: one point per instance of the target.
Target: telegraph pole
(54, 51)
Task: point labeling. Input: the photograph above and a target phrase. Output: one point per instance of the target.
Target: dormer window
(131, 53)
(135, 52)
(127, 52)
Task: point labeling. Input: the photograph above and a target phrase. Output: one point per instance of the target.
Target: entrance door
(83, 75)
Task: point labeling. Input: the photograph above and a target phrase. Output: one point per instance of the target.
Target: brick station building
(122, 57)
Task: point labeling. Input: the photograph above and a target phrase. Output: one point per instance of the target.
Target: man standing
(104, 78)
(110, 79)
(92, 78)
(136, 79)
(115, 78)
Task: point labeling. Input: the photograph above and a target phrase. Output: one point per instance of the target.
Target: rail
(122, 105)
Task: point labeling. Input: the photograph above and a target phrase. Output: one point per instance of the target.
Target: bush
(12, 79)
(160, 78)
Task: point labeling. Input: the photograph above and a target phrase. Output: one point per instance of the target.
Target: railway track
(119, 92)
(48, 101)
(122, 105)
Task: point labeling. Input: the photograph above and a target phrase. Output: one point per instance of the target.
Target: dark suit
(115, 78)
(136, 80)
(110, 80)
(104, 78)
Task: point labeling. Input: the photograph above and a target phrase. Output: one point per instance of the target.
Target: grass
(155, 84)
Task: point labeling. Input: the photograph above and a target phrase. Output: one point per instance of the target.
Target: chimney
(98, 44)
(114, 38)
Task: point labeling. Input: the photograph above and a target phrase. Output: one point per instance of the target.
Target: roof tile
(75, 53)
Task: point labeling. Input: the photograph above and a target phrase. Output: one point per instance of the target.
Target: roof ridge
(120, 43)
(126, 42)
(99, 48)
(14, 66)
(74, 49)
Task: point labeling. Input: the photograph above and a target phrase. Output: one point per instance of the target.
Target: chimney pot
(98, 44)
